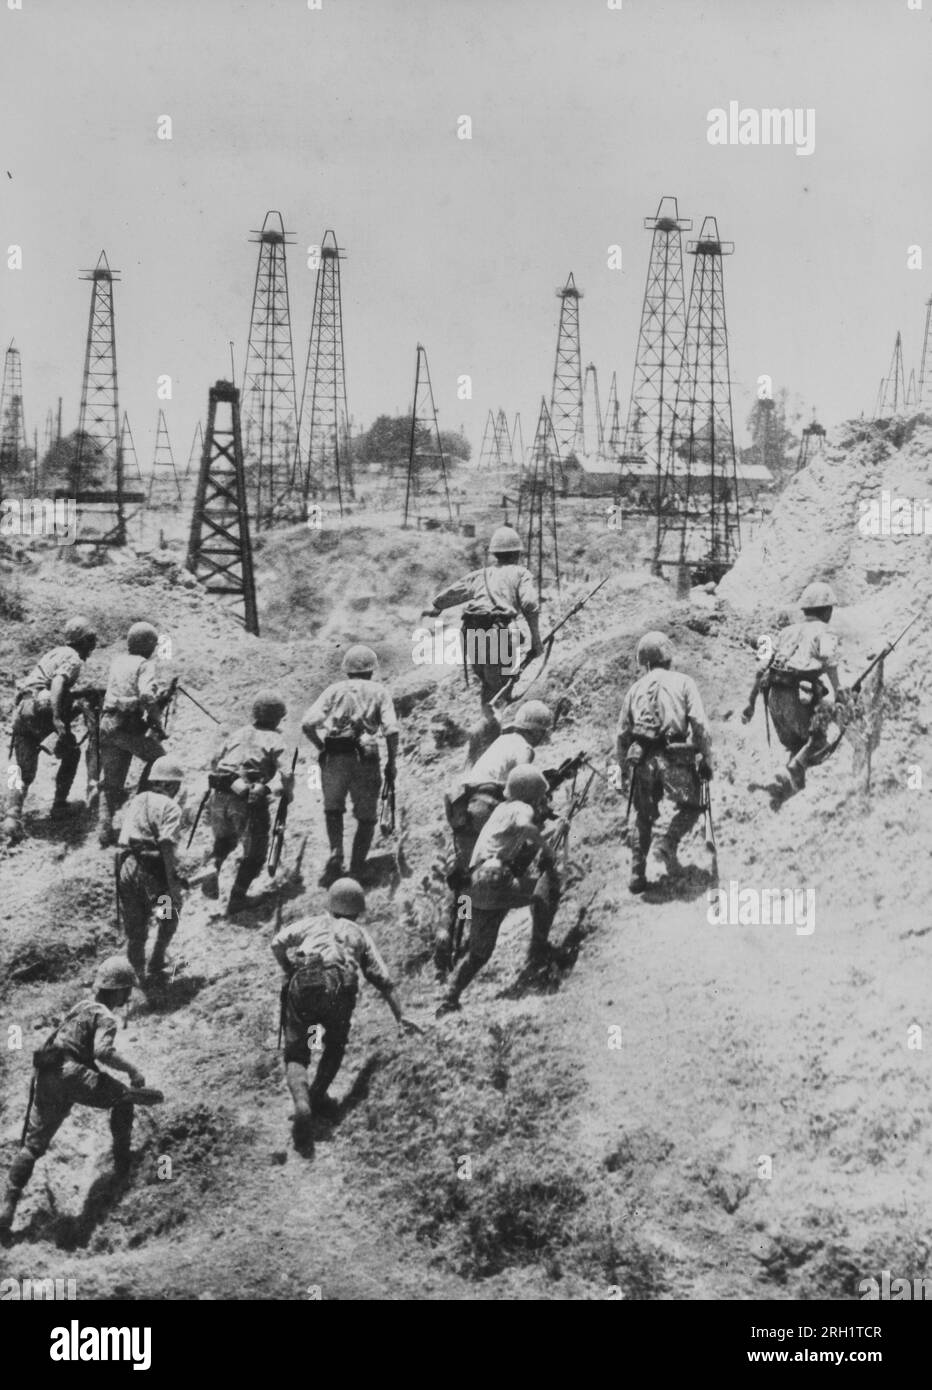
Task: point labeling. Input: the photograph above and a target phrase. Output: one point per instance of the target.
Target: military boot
(20, 1173)
(333, 869)
(121, 1130)
(362, 842)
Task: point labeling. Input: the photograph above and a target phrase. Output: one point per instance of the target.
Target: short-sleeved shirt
(806, 646)
(671, 696)
(506, 588)
(508, 751)
(151, 817)
(504, 833)
(250, 753)
(132, 684)
(60, 661)
(335, 941)
(87, 1032)
(353, 709)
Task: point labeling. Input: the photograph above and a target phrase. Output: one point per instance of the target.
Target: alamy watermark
(735, 906)
(771, 125)
(444, 646)
(56, 518)
(887, 515)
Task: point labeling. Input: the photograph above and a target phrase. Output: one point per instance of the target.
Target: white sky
(346, 118)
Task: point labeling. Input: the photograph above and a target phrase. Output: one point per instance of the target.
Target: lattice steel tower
(270, 415)
(324, 412)
(12, 424)
(566, 395)
(427, 469)
(893, 396)
(537, 503)
(925, 363)
(611, 423)
(164, 487)
(219, 546)
(811, 443)
(661, 341)
(701, 481)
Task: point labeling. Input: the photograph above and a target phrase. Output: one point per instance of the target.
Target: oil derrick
(270, 414)
(503, 440)
(132, 473)
(611, 423)
(592, 436)
(893, 395)
(659, 359)
(517, 443)
(219, 547)
(427, 469)
(195, 451)
(701, 481)
(566, 394)
(911, 391)
(164, 488)
(488, 449)
(537, 504)
(811, 444)
(97, 474)
(924, 389)
(324, 423)
(12, 425)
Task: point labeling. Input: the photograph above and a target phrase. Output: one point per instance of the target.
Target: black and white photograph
(465, 634)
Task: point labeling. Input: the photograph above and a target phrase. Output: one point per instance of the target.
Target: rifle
(387, 805)
(278, 829)
(166, 704)
(556, 776)
(197, 817)
(855, 689)
(502, 695)
(706, 801)
(188, 696)
(578, 800)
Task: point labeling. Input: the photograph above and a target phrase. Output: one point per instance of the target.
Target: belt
(349, 746)
(142, 852)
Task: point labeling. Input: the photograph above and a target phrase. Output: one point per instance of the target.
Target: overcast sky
(346, 117)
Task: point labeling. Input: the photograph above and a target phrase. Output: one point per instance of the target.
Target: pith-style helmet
(359, 660)
(142, 639)
(346, 898)
(166, 769)
(115, 973)
(505, 541)
(817, 595)
(655, 649)
(525, 784)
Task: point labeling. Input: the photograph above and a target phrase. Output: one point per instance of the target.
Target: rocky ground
(681, 1111)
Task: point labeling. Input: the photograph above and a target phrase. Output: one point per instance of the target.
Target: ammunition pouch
(221, 781)
(343, 747)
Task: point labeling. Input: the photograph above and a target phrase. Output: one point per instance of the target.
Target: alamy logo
(41, 1289)
(894, 516)
(77, 1343)
(762, 907)
(771, 125)
(40, 516)
(896, 1290)
(493, 646)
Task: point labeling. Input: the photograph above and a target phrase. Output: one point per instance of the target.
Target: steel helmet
(115, 973)
(359, 659)
(166, 769)
(142, 639)
(533, 715)
(654, 649)
(526, 784)
(79, 630)
(505, 541)
(346, 898)
(268, 708)
(817, 595)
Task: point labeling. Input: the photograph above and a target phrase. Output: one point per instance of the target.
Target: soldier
(322, 958)
(45, 703)
(477, 792)
(67, 1073)
(656, 756)
(130, 721)
(801, 689)
(494, 597)
(242, 771)
(500, 877)
(342, 724)
(146, 874)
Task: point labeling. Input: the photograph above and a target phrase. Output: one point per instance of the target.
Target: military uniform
(660, 711)
(33, 721)
(799, 687)
(131, 706)
(499, 881)
(142, 885)
(250, 755)
(494, 598)
(328, 954)
(347, 717)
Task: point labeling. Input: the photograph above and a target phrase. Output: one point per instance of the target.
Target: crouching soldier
(322, 958)
(242, 772)
(44, 705)
(147, 879)
(801, 690)
(472, 799)
(663, 751)
(500, 877)
(494, 597)
(67, 1072)
(343, 724)
(130, 721)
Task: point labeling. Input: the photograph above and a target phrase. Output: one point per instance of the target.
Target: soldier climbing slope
(343, 724)
(501, 878)
(322, 958)
(130, 721)
(474, 796)
(801, 690)
(67, 1073)
(494, 597)
(243, 769)
(147, 879)
(663, 751)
